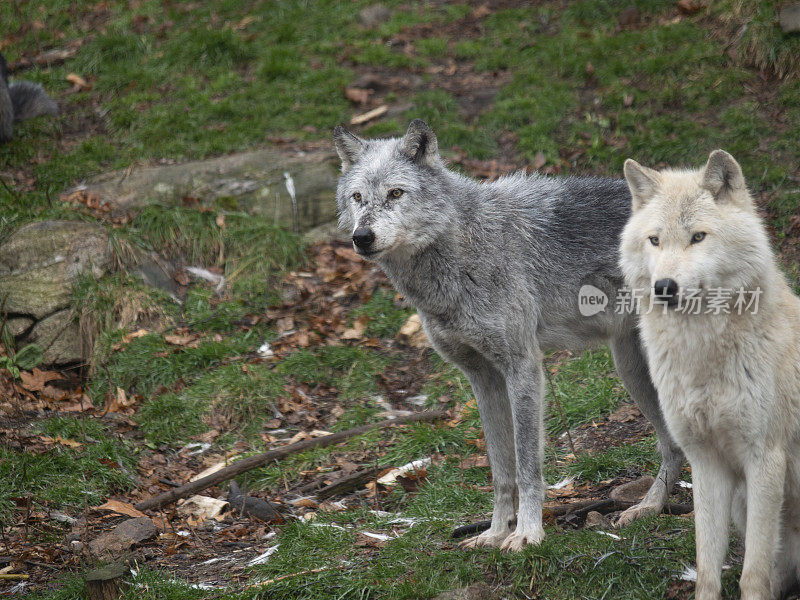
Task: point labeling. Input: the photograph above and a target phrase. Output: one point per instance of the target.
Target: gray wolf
(494, 270)
(727, 373)
(19, 101)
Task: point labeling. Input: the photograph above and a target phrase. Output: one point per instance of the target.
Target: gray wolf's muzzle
(363, 238)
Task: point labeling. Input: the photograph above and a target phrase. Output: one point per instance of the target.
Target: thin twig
(560, 409)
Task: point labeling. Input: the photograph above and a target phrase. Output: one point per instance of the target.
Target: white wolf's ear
(642, 181)
(420, 144)
(723, 176)
(348, 145)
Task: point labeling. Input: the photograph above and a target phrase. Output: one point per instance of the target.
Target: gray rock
(18, 325)
(596, 520)
(789, 17)
(477, 591)
(59, 336)
(374, 15)
(633, 491)
(123, 537)
(41, 261)
(157, 272)
(254, 182)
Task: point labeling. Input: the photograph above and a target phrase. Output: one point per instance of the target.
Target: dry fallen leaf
(121, 403)
(78, 82)
(128, 338)
(357, 95)
(481, 11)
(60, 440)
(122, 508)
(413, 334)
(539, 160)
(356, 332)
(180, 340)
(36, 379)
(625, 414)
(477, 460)
(689, 7)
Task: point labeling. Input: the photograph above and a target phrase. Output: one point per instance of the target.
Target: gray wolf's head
(389, 194)
(692, 230)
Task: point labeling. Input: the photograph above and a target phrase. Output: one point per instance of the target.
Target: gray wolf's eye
(654, 240)
(357, 197)
(698, 237)
(395, 193)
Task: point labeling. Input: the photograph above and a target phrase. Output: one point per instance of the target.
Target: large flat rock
(41, 261)
(258, 182)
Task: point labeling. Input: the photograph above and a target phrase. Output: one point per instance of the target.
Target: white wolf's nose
(666, 290)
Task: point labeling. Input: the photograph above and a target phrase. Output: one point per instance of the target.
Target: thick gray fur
(19, 101)
(494, 270)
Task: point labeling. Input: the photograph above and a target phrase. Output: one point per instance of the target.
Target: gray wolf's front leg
(495, 410)
(527, 408)
(630, 362)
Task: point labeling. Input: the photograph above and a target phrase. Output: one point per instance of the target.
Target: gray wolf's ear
(420, 145)
(348, 146)
(643, 182)
(722, 175)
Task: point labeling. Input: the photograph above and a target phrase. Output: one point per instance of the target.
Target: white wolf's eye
(653, 240)
(698, 237)
(395, 193)
(357, 197)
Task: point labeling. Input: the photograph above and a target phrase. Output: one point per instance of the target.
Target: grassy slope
(173, 80)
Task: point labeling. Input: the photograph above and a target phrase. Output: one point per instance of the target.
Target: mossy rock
(40, 262)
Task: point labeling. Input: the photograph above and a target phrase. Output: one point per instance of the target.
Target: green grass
(587, 389)
(385, 318)
(165, 363)
(352, 370)
(65, 477)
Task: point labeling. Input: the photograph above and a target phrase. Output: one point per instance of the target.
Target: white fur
(729, 384)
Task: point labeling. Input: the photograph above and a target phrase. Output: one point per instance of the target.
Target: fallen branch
(349, 483)
(258, 460)
(45, 59)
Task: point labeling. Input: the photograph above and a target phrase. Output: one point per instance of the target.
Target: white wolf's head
(692, 231)
(390, 193)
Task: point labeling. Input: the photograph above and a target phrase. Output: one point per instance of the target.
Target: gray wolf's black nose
(363, 238)
(666, 290)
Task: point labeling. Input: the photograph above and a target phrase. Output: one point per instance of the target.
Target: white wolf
(727, 369)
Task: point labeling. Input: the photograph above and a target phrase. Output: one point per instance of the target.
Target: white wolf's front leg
(526, 393)
(712, 489)
(765, 485)
(495, 410)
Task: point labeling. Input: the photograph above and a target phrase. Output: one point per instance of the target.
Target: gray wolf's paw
(637, 512)
(487, 539)
(521, 538)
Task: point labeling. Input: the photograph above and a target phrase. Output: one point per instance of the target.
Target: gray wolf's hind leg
(631, 365)
(498, 428)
